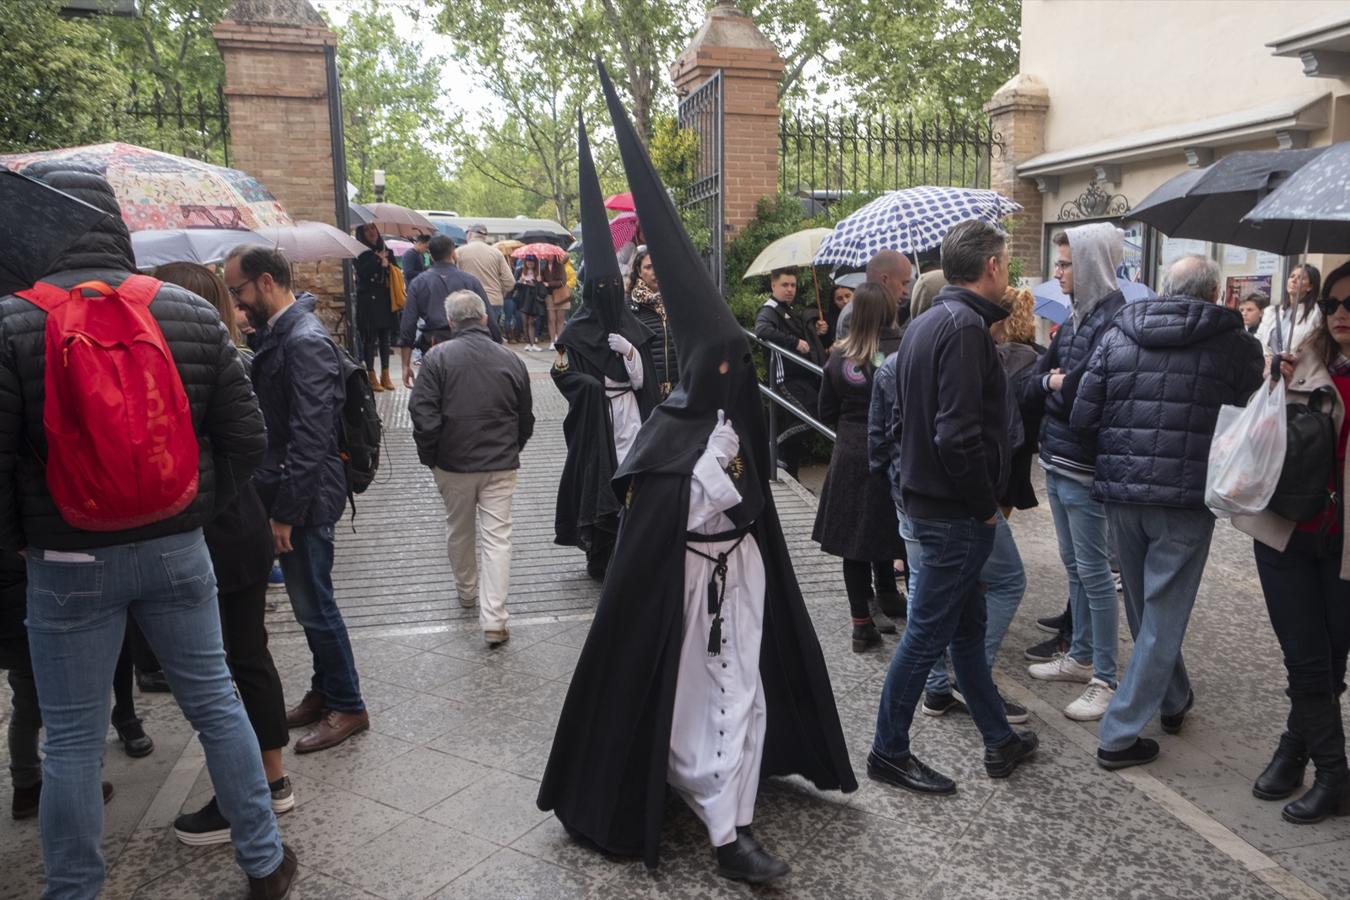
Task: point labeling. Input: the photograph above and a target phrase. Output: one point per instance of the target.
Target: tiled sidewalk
(437, 800)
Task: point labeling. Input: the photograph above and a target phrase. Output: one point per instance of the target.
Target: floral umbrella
(160, 191)
(540, 251)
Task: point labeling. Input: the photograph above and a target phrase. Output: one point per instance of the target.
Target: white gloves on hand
(723, 441)
(620, 345)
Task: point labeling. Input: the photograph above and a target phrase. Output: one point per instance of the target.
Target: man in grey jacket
(471, 415)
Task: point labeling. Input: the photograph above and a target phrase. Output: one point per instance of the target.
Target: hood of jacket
(1175, 321)
(105, 246)
(1098, 249)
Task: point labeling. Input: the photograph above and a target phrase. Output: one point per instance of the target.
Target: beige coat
(1310, 373)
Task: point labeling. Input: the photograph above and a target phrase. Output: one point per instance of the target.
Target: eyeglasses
(234, 291)
(1329, 305)
(1061, 265)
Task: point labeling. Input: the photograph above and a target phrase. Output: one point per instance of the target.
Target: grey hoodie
(1097, 250)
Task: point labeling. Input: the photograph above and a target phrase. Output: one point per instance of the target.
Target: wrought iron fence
(825, 158)
(196, 125)
(701, 112)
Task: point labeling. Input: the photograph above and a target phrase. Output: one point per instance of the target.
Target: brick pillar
(751, 68)
(276, 86)
(1017, 113)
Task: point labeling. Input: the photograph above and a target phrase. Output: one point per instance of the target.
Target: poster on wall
(1240, 286)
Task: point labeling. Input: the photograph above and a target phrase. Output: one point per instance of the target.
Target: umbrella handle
(816, 278)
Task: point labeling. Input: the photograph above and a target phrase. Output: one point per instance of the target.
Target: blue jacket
(426, 302)
(883, 451)
(298, 379)
(1151, 394)
(1061, 447)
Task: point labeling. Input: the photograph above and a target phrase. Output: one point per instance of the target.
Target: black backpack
(1309, 459)
(359, 427)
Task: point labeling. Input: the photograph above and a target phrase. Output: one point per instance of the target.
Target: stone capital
(1022, 92)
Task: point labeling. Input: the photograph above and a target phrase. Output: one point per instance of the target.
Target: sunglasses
(1329, 305)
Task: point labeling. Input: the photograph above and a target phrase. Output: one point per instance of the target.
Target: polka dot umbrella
(910, 221)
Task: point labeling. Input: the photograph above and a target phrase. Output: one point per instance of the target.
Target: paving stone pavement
(437, 799)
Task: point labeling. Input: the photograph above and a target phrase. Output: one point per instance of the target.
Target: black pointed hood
(716, 369)
(603, 311)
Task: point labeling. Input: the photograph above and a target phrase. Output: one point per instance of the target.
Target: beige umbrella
(310, 241)
(509, 246)
(399, 220)
(796, 249)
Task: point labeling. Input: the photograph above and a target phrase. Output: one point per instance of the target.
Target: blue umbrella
(910, 221)
(453, 232)
(1053, 304)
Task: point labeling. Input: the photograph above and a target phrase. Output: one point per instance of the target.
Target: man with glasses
(297, 374)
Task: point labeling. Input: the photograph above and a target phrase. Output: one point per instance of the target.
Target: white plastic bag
(1247, 453)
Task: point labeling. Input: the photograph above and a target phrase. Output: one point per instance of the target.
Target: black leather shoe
(908, 773)
(1284, 774)
(276, 886)
(1328, 796)
(892, 604)
(1000, 762)
(152, 682)
(1141, 752)
(1172, 723)
(745, 860)
(881, 618)
(865, 637)
(134, 739)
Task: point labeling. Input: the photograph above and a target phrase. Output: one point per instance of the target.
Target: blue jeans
(1005, 581)
(945, 610)
(77, 614)
(1080, 526)
(1162, 558)
(511, 321)
(308, 570)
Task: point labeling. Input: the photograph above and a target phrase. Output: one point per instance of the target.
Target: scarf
(648, 297)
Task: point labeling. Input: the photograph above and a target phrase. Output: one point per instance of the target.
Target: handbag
(398, 292)
(1303, 490)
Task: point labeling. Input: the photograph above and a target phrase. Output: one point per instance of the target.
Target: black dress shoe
(152, 682)
(908, 773)
(1000, 762)
(1284, 774)
(134, 739)
(1142, 751)
(276, 886)
(1172, 723)
(745, 860)
(1328, 796)
(865, 637)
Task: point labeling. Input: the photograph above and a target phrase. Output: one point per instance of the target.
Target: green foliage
(59, 86)
(674, 152)
(169, 47)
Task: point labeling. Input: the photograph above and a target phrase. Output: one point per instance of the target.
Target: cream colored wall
(1115, 67)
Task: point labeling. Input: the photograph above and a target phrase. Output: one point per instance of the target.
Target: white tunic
(623, 407)
(717, 735)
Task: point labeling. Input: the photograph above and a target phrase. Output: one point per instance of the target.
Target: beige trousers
(479, 502)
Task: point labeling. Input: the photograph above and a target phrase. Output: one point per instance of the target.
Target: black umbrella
(1208, 204)
(37, 223)
(1310, 213)
(538, 236)
(358, 215)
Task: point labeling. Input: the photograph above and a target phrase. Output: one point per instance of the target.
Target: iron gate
(702, 206)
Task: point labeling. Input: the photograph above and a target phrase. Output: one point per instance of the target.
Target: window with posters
(1132, 267)
(1243, 272)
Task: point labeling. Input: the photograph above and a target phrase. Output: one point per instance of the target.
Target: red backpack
(121, 449)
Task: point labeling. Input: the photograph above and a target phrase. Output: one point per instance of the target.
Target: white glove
(620, 345)
(723, 441)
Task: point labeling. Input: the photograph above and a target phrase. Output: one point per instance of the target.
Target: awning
(1286, 123)
(1323, 47)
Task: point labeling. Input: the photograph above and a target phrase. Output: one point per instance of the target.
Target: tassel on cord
(716, 597)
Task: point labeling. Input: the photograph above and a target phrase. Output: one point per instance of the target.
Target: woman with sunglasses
(1305, 575)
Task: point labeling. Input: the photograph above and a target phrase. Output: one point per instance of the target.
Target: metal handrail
(776, 400)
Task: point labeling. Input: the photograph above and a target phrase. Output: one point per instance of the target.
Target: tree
(58, 85)
(391, 119)
(168, 47)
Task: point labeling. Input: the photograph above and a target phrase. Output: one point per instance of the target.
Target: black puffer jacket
(667, 364)
(225, 412)
(1152, 393)
(1061, 447)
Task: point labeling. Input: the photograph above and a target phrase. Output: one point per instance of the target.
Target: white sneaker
(1092, 703)
(1062, 668)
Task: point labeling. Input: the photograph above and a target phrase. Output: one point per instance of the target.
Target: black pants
(25, 722)
(370, 340)
(124, 699)
(242, 622)
(793, 433)
(1309, 607)
(859, 576)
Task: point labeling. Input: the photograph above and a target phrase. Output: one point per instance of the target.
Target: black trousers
(859, 576)
(370, 341)
(242, 622)
(793, 434)
(1309, 607)
(135, 653)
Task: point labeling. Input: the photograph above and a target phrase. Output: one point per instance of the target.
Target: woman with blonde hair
(855, 517)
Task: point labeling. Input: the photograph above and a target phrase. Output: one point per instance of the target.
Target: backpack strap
(138, 289)
(45, 295)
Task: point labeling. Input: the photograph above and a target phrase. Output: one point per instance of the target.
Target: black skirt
(855, 517)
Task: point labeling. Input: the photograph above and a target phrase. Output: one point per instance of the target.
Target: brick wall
(1017, 114)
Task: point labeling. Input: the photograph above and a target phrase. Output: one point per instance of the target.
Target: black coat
(225, 413)
(784, 326)
(373, 309)
(606, 773)
(855, 516)
(1019, 364)
(665, 363)
(1062, 447)
(298, 377)
(952, 410)
(13, 610)
(1151, 395)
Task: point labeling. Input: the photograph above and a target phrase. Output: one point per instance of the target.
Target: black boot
(134, 739)
(745, 860)
(1284, 774)
(1328, 796)
(1316, 718)
(880, 618)
(865, 637)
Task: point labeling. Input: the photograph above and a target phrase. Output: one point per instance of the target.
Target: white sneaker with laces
(1062, 668)
(1092, 703)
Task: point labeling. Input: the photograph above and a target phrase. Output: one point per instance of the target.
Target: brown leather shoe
(276, 886)
(334, 728)
(308, 711)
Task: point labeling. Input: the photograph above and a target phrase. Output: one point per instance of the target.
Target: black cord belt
(717, 584)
